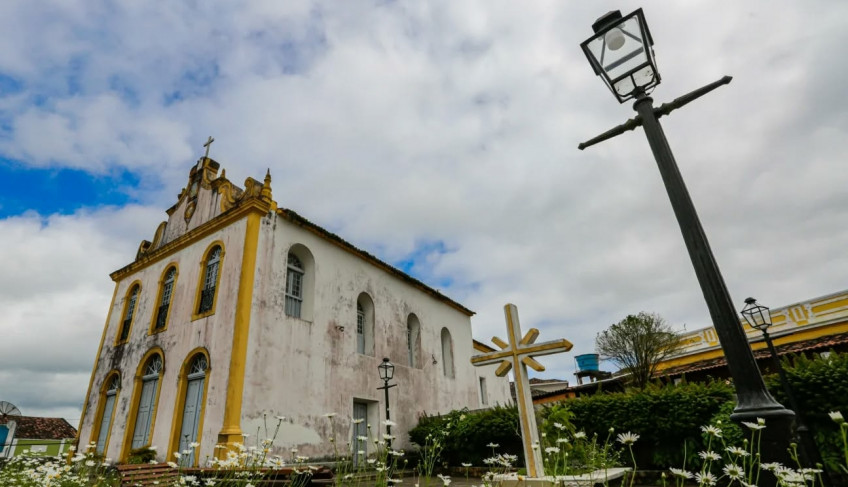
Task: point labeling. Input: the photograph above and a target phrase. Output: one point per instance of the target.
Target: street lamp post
(759, 317)
(621, 53)
(387, 371)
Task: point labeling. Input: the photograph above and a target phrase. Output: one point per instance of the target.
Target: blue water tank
(588, 361)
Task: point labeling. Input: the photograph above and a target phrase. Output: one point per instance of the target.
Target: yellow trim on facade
(94, 368)
(801, 334)
(196, 315)
(101, 410)
(231, 432)
(129, 429)
(157, 303)
(192, 236)
(688, 359)
(123, 315)
(828, 306)
(179, 406)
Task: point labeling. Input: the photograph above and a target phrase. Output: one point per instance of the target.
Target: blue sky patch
(50, 190)
(416, 263)
(9, 85)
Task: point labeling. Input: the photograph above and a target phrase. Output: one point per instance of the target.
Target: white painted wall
(303, 369)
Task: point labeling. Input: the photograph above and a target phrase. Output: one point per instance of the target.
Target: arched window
(108, 398)
(192, 406)
(129, 312)
(210, 276)
(294, 286)
(447, 353)
(166, 291)
(151, 372)
(413, 342)
(300, 282)
(364, 324)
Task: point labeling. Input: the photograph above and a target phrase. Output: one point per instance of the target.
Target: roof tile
(33, 428)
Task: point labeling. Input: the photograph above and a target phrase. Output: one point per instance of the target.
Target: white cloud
(402, 124)
(54, 295)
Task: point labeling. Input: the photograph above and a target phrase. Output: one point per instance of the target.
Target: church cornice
(145, 259)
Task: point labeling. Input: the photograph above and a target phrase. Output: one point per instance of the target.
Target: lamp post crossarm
(617, 130)
(659, 111)
(680, 101)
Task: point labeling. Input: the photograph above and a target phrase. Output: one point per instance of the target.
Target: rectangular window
(360, 332)
(104, 423)
(131, 306)
(360, 433)
(160, 316)
(211, 276)
(294, 293)
(144, 417)
(207, 298)
(294, 284)
(125, 329)
(292, 307)
(484, 395)
(166, 293)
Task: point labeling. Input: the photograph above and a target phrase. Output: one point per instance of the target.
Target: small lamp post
(759, 317)
(387, 371)
(621, 53)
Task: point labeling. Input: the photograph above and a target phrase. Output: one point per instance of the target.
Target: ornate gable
(206, 196)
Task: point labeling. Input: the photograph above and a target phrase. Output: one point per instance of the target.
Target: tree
(637, 344)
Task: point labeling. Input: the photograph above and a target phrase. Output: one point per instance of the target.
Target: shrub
(466, 434)
(666, 418)
(141, 455)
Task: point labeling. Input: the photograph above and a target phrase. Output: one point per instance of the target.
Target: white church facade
(240, 311)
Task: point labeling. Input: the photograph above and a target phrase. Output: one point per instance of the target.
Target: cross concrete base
(598, 477)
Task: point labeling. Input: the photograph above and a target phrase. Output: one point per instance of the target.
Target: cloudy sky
(441, 136)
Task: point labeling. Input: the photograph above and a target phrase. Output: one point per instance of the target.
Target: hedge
(668, 419)
(467, 434)
(665, 418)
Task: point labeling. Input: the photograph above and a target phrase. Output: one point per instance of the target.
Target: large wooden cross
(518, 355)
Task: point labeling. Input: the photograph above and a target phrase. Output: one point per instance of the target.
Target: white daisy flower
(677, 472)
(706, 478)
(627, 438)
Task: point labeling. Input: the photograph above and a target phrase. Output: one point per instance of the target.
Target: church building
(238, 312)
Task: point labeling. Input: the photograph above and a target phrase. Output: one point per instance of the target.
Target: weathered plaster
(303, 369)
(181, 337)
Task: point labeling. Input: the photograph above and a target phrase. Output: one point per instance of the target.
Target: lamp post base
(778, 434)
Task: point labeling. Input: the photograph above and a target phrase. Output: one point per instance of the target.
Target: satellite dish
(9, 409)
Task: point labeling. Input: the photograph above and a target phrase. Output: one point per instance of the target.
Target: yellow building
(816, 325)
